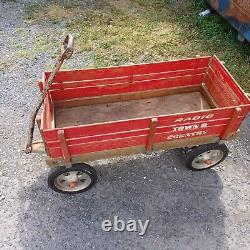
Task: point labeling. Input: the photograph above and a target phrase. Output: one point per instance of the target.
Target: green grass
(133, 31)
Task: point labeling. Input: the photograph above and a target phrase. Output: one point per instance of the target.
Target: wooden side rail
(228, 130)
(151, 135)
(64, 148)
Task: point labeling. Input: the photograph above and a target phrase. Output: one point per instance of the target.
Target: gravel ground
(187, 210)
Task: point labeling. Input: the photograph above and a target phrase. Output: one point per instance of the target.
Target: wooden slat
(231, 123)
(138, 124)
(214, 130)
(144, 132)
(127, 79)
(53, 162)
(47, 112)
(213, 87)
(192, 63)
(151, 134)
(102, 145)
(125, 97)
(223, 87)
(64, 148)
(42, 126)
(111, 72)
(67, 94)
(98, 129)
(52, 115)
(199, 116)
(39, 122)
(103, 137)
(228, 78)
(134, 141)
(209, 98)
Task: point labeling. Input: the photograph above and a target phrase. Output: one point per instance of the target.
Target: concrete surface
(187, 210)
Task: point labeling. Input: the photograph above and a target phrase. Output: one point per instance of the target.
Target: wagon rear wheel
(206, 156)
(77, 179)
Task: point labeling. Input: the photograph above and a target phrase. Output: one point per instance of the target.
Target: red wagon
(91, 114)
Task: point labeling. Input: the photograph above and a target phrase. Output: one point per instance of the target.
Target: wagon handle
(68, 47)
(66, 53)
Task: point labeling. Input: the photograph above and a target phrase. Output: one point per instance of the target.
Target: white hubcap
(207, 159)
(72, 181)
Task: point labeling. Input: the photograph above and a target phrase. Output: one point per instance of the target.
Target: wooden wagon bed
(132, 109)
(140, 107)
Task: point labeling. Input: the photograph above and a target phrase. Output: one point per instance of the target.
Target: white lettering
(194, 118)
(190, 134)
(116, 224)
(106, 225)
(131, 226)
(120, 225)
(143, 227)
(190, 127)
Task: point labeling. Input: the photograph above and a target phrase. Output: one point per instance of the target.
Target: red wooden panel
(228, 78)
(242, 116)
(67, 94)
(133, 141)
(98, 129)
(224, 88)
(167, 74)
(192, 63)
(199, 116)
(111, 72)
(214, 87)
(88, 74)
(171, 128)
(43, 126)
(164, 137)
(47, 112)
(192, 126)
(213, 128)
(104, 137)
(139, 124)
(127, 79)
(99, 146)
(88, 83)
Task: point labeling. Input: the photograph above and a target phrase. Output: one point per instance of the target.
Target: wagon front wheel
(206, 156)
(77, 179)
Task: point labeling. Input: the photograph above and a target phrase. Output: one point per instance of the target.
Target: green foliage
(124, 31)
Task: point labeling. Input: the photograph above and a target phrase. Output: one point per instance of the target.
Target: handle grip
(67, 47)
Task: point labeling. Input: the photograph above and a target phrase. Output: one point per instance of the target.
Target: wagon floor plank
(164, 105)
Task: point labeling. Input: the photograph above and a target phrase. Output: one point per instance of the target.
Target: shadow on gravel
(183, 207)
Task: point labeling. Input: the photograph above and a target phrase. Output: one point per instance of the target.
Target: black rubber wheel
(206, 156)
(79, 178)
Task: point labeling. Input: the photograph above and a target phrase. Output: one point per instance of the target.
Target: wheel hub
(207, 159)
(72, 181)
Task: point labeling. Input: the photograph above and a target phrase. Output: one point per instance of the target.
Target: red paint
(127, 79)
(110, 135)
(229, 80)
(124, 79)
(99, 146)
(141, 69)
(223, 89)
(66, 94)
(89, 147)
